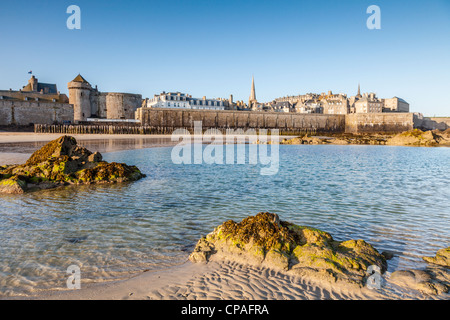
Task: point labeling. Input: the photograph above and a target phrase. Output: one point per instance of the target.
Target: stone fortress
(41, 103)
(89, 103)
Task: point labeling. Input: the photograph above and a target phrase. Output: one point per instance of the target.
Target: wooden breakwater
(148, 130)
(99, 129)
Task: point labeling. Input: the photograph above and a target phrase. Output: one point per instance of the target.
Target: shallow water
(396, 198)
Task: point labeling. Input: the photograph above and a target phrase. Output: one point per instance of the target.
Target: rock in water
(12, 185)
(434, 280)
(61, 162)
(265, 239)
(62, 146)
(442, 258)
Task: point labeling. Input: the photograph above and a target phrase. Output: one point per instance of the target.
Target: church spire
(253, 92)
(359, 90)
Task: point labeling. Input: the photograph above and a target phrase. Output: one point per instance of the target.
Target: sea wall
(165, 121)
(378, 122)
(23, 113)
(285, 122)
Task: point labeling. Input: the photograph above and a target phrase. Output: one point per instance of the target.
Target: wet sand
(223, 280)
(17, 147)
(15, 137)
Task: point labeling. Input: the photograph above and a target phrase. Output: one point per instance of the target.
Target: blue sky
(213, 48)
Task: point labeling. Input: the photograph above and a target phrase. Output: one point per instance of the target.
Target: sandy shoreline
(15, 137)
(17, 147)
(222, 280)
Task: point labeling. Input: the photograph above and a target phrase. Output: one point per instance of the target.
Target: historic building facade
(395, 104)
(329, 103)
(178, 100)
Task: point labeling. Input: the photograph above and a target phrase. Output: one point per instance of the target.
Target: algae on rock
(265, 239)
(442, 258)
(60, 162)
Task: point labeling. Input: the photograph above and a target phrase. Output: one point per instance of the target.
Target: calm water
(393, 197)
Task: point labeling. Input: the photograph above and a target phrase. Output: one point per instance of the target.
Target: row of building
(42, 103)
(329, 103)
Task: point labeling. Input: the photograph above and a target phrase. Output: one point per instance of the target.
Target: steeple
(253, 92)
(359, 91)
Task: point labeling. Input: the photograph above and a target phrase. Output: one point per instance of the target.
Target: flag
(30, 72)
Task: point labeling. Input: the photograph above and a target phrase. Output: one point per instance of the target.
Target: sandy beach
(223, 280)
(15, 137)
(16, 147)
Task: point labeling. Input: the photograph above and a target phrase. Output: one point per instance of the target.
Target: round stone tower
(79, 96)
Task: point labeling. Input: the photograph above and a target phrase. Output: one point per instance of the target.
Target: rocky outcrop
(338, 140)
(417, 137)
(305, 251)
(414, 137)
(442, 258)
(62, 162)
(433, 280)
(304, 140)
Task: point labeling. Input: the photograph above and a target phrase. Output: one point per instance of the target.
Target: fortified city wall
(23, 113)
(286, 122)
(379, 122)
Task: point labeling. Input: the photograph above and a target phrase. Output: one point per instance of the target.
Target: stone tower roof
(80, 79)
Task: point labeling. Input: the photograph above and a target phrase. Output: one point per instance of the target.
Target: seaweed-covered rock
(442, 258)
(12, 185)
(62, 162)
(304, 140)
(416, 137)
(265, 239)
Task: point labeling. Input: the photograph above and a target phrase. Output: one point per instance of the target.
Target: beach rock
(12, 185)
(202, 251)
(432, 282)
(312, 140)
(62, 146)
(304, 140)
(62, 162)
(339, 141)
(292, 141)
(265, 239)
(416, 137)
(442, 258)
(388, 255)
